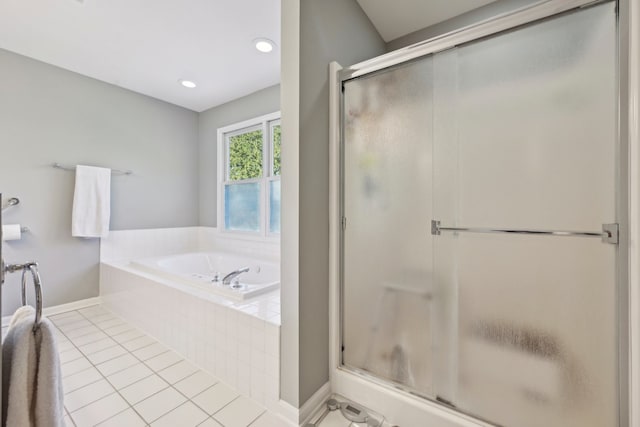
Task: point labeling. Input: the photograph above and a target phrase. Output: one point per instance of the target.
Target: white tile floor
(115, 375)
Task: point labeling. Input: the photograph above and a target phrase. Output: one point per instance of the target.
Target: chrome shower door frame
(348, 380)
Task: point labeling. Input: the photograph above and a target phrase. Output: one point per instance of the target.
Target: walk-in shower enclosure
(479, 211)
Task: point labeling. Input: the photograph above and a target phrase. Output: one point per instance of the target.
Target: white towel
(91, 202)
(21, 313)
(32, 394)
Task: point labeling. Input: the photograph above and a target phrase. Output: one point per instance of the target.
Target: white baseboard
(314, 402)
(289, 413)
(299, 417)
(62, 308)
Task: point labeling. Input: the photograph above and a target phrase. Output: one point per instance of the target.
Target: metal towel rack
(609, 234)
(113, 171)
(11, 202)
(29, 267)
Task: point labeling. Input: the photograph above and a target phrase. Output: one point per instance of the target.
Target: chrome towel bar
(113, 171)
(11, 202)
(28, 267)
(609, 233)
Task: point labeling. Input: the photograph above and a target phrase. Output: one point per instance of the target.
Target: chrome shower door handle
(609, 234)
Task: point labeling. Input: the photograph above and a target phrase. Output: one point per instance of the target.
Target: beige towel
(32, 394)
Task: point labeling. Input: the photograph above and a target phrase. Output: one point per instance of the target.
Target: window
(249, 176)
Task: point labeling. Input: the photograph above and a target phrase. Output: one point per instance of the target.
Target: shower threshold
(338, 411)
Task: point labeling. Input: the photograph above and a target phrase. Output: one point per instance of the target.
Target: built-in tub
(206, 270)
(235, 340)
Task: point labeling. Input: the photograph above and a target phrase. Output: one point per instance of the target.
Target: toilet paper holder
(23, 230)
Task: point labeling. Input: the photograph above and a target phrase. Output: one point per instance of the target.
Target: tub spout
(229, 277)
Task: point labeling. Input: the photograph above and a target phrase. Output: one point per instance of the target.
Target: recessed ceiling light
(264, 45)
(187, 83)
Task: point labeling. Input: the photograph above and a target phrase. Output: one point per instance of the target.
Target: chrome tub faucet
(229, 277)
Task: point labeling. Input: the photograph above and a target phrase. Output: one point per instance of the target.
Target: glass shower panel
(387, 293)
(525, 138)
(537, 333)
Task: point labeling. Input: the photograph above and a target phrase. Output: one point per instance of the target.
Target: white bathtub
(201, 268)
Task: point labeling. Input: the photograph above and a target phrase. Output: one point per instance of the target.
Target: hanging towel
(91, 202)
(32, 394)
(21, 313)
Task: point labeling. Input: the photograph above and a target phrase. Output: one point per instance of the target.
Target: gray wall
(49, 115)
(253, 105)
(330, 30)
(460, 21)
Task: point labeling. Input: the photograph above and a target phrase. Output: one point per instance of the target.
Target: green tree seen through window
(245, 156)
(277, 142)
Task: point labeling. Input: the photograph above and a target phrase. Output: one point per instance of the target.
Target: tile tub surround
(128, 244)
(131, 244)
(136, 381)
(237, 342)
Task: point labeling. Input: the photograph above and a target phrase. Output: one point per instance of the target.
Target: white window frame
(266, 123)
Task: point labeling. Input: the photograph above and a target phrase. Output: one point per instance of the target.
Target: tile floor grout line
(104, 330)
(148, 345)
(124, 410)
(93, 401)
(90, 362)
(166, 367)
(87, 354)
(239, 395)
(72, 323)
(106, 360)
(62, 379)
(149, 396)
(103, 312)
(97, 325)
(110, 384)
(70, 360)
(190, 375)
(129, 340)
(123, 332)
(90, 403)
(191, 399)
(119, 370)
(81, 318)
(86, 343)
(76, 389)
(143, 360)
(83, 335)
(157, 375)
(167, 413)
(63, 314)
(179, 392)
(98, 351)
(227, 404)
(256, 418)
(74, 347)
(154, 373)
(69, 416)
(183, 395)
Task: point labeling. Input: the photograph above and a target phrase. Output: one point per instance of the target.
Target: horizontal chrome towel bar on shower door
(609, 233)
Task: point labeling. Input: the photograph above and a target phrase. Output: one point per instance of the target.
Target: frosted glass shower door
(387, 246)
(525, 139)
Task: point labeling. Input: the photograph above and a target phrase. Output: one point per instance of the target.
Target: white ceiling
(396, 18)
(148, 45)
